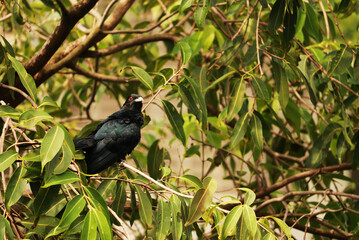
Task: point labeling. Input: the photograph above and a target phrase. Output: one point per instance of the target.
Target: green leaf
(103, 225)
(6, 229)
(188, 99)
(7, 111)
(41, 226)
(15, 187)
(106, 187)
(30, 118)
(118, 203)
(64, 178)
(72, 210)
(256, 132)
(260, 88)
(342, 60)
(200, 98)
(89, 228)
(163, 219)
(143, 76)
(218, 80)
(311, 23)
(201, 12)
(58, 204)
(26, 79)
(193, 180)
(276, 16)
(7, 158)
(97, 201)
(236, 100)
(185, 4)
(250, 219)
(51, 144)
(176, 121)
(186, 51)
(144, 207)
(239, 130)
(249, 197)
(201, 201)
(319, 149)
(290, 19)
(155, 159)
(283, 226)
(177, 225)
(230, 222)
(66, 159)
(8, 47)
(281, 83)
(44, 199)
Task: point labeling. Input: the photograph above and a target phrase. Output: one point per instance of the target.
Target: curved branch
(130, 43)
(68, 21)
(309, 193)
(100, 77)
(310, 173)
(27, 97)
(322, 232)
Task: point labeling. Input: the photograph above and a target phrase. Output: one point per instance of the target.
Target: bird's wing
(85, 143)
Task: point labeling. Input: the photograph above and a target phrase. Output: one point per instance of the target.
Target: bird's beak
(140, 99)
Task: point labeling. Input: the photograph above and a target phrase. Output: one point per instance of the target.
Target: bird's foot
(122, 167)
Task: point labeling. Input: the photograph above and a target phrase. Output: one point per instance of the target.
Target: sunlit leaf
(103, 226)
(283, 226)
(89, 228)
(201, 201)
(26, 79)
(193, 180)
(186, 51)
(201, 12)
(64, 178)
(185, 4)
(230, 222)
(51, 144)
(31, 117)
(143, 76)
(7, 158)
(7, 111)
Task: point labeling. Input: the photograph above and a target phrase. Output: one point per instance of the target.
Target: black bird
(114, 137)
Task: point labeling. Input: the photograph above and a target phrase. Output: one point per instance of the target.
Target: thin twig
(257, 43)
(21, 92)
(245, 20)
(141, 30)
(336, 23)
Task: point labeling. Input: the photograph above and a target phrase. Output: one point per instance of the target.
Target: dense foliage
(265, 90)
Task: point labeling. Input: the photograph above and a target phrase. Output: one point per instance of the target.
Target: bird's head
(134, 102)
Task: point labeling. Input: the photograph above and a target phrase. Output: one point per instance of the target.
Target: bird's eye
(130, 98)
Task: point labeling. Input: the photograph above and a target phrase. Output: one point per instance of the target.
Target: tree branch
(310, 173)
(130, 43)
(99, 76)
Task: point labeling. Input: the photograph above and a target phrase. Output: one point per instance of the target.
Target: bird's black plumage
(114, 137)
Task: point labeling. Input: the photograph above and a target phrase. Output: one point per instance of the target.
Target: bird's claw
(122, 167)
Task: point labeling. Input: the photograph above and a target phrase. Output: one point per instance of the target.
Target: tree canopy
(266, 91)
